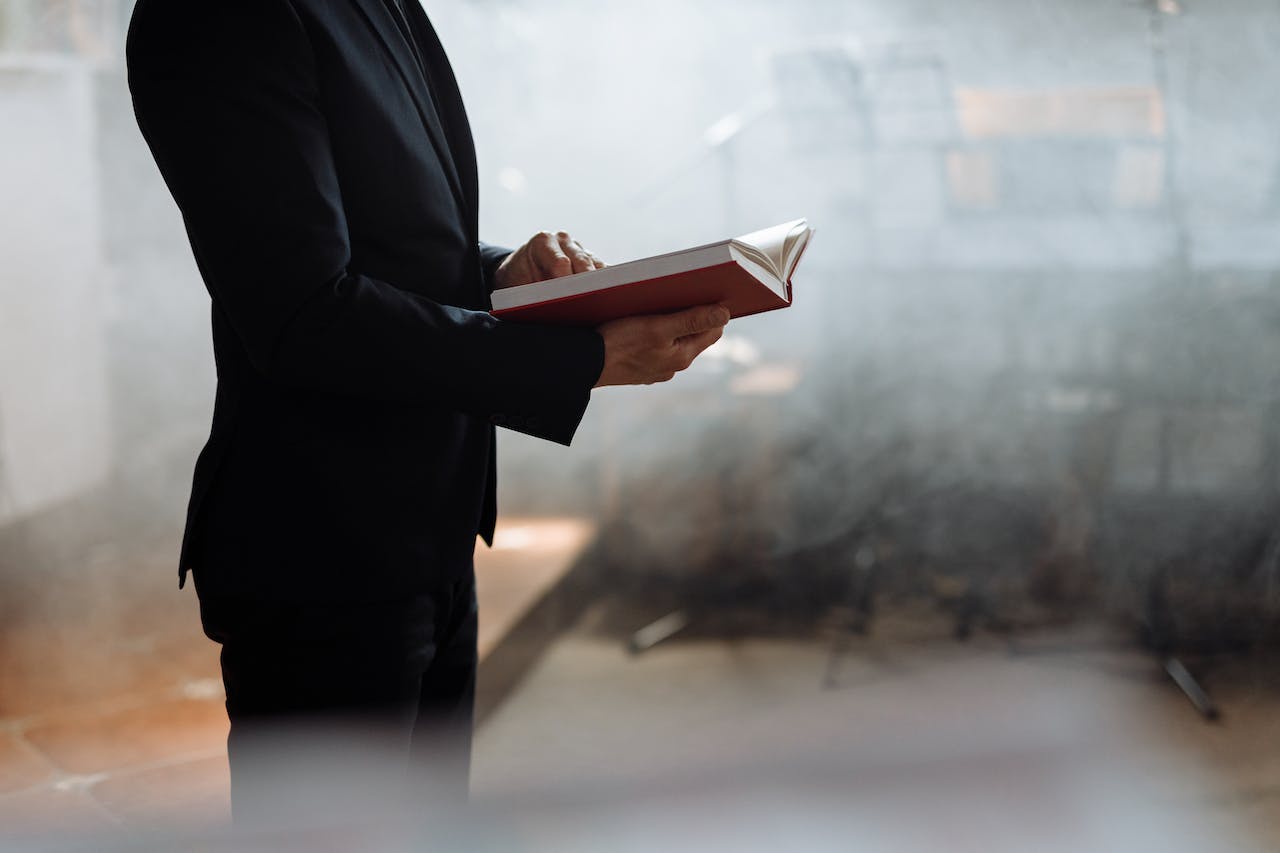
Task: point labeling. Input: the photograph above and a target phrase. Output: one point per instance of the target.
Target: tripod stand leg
(655, 632)
(1188, 685)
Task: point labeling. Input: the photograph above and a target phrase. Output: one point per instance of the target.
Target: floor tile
(96, 740)
(47, 667)
(192, 792)
(20, 766)
(52, 810)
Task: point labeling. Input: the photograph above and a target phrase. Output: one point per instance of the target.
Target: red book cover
(748, 275)
(727, 283)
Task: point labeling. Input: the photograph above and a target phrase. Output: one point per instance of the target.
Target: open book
(748, 274)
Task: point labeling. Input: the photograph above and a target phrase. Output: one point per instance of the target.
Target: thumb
(691, 321)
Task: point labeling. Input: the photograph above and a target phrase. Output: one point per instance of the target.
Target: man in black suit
(323, 164)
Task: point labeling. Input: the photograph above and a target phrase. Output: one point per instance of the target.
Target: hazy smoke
(1033, 334)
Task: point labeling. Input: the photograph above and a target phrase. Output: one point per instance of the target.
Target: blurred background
(974, 547)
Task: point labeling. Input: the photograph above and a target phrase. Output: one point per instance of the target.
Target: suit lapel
(449, 101)
(379, 18)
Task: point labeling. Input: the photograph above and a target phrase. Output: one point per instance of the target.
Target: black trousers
(341, 710)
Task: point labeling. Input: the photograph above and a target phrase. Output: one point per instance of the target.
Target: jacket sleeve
(226, 96)
(491, 257)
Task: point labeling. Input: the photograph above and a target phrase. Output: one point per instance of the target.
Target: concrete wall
(54, 433)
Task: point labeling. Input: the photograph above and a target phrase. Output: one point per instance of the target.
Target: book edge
(501, 312)
(507, 298)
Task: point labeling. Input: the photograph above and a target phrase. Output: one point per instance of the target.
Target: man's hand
(545, 256)
(645, 350)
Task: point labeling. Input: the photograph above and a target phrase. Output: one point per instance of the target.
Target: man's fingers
(691, 346)
(548, 257)
(583, 261)
(647, 349)
(694, 320)
(555, 255)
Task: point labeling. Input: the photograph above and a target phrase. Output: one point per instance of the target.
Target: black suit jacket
(329, 191)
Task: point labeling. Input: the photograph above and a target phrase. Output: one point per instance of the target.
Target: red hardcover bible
(748, 274)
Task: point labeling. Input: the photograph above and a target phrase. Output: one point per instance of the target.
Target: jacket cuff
(491, 257)
(578, 361)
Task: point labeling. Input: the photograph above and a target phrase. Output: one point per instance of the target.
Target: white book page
(797, 240)
(775, 244)
(762, 274)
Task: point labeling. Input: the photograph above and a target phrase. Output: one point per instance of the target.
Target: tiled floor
(121, 722)
(1074, 739)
